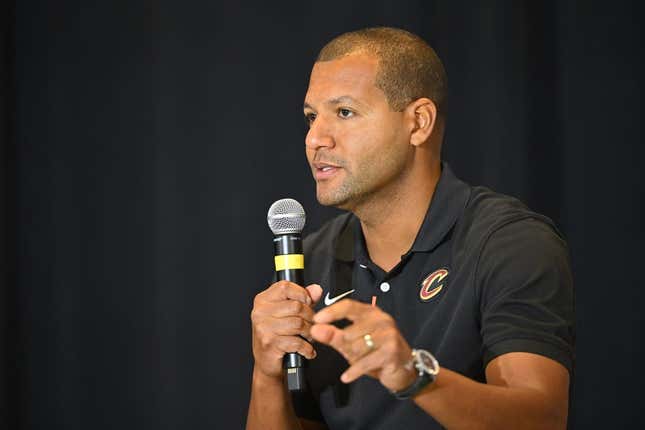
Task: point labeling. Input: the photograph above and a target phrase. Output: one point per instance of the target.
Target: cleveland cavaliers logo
(432, 284)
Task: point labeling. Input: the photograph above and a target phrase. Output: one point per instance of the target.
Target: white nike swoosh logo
(329, 301)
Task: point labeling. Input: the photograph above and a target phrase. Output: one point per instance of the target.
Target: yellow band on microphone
(289, 261)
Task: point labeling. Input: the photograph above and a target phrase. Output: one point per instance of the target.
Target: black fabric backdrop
(142, 143)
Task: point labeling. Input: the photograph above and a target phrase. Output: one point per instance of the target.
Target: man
(424, 271)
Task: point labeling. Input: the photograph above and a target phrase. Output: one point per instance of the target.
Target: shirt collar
(448, 202)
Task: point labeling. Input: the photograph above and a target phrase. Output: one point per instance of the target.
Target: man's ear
(423, 118)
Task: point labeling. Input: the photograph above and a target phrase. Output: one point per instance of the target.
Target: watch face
(427, 362)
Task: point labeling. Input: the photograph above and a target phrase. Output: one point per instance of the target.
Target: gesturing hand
(373, 345)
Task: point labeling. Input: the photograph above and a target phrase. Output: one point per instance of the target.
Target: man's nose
(320, 135)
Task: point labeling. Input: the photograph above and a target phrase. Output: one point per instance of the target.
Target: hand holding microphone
(282, 314)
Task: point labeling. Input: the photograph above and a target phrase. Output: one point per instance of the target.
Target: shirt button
(385, 287)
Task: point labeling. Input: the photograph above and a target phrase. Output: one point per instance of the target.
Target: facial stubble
(376, 176)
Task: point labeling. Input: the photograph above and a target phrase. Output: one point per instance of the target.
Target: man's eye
(309, 118)
(345, 113)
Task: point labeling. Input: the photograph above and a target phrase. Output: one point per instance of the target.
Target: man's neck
(391, 225)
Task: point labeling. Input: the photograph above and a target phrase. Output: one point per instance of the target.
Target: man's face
(356, 146)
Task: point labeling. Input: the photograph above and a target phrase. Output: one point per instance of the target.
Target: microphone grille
(286, 216)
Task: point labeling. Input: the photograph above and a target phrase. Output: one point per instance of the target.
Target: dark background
(143, 141)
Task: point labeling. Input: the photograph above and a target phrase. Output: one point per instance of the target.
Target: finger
(371, 322)
(288, 308)
(283, 290)
(291, 326)
(315, 292)
(366, 364)
(363, 345)
(287, 344)
(330, 335)
(350, 309)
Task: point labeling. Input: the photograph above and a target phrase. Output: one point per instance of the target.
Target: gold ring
(368, 341)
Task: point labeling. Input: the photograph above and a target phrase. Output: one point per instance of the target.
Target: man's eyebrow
(345, 99)
(337, 101)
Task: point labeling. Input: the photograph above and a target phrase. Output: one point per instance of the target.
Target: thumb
(315, 292)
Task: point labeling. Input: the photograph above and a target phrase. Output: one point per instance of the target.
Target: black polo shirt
(485, 276)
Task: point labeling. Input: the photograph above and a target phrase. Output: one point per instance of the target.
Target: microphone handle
(289, 266)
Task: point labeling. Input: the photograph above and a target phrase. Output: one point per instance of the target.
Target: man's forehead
(349, 76)
(351, 69)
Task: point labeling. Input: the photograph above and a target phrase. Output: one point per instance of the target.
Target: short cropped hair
(408, 68)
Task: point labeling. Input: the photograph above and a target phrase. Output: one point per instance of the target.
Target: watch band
(422, 380)
(428, 368)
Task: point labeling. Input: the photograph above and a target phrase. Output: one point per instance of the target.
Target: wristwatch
(428, 368)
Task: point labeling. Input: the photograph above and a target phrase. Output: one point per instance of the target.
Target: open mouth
(324, 171)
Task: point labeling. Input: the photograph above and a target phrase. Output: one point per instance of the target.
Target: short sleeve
(526, 293)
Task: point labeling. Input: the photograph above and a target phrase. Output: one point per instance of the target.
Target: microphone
(286, 220)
